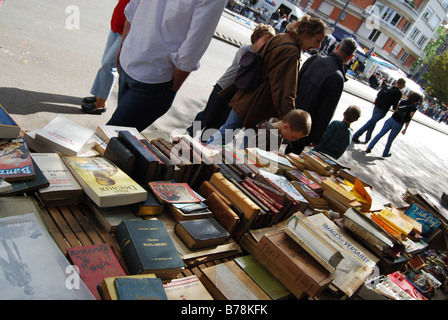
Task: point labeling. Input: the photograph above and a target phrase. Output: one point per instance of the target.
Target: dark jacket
(319, 90)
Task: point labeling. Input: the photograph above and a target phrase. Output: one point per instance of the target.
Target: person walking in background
(107, 74)
(338, 135)
(216, 111)
(387, 97)
(275, 96)
(165, 41)
(402, 116)
(320, 85)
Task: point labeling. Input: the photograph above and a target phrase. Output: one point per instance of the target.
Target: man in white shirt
(163, 42)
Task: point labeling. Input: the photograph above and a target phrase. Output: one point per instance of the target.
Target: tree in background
(437, 77)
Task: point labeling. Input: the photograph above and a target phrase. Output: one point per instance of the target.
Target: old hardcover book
(188, 288)
(302, 232)
(146, 163)
(370, 234)
(104, 182)
(15, 160)
(179, 215)
(269, 160)
(140, 289)
(315, 200)
(265, 279)
(111, 217)
(120, 155)
(222, 213)
(201, 233)
(151, 206)
(171, 192)
(34, 268)
(227, 281)
(28, 186)
(295, 262)
(179, 168)
(394, 221)
(9, 129)
(238, 198)
(66, 137)
(95, 263)
(63, 186)
(167, 166)
(107, 287)
(148, 248)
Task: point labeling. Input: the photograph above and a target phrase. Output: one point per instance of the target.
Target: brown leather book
(222, 212)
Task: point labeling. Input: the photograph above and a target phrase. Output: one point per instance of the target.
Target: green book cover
(266, 280)
(148, 248)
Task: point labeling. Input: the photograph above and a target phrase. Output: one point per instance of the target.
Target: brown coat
(274, 97)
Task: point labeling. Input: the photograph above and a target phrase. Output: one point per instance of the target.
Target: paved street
(46, 69)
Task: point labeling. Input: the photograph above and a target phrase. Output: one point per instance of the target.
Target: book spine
(128, 249)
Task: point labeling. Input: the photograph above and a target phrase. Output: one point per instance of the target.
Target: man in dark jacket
(388, 97)
(319, 89)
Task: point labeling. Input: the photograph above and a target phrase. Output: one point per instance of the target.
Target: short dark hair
(352, 113)
(348, 46)
(414, 97)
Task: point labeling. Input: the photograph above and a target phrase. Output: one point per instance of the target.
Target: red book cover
(95, 263)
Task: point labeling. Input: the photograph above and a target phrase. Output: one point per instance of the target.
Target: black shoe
(91, 109)
(387, 155)
(356, 140)
(368, 150)
(89, 100)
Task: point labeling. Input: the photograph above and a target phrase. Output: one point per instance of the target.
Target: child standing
(338, 135)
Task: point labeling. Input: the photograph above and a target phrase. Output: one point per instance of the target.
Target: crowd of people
(158, 43)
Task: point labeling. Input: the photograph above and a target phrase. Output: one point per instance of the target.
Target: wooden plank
(75, 227)
(86, 225)
(64, 228)
(54, 231)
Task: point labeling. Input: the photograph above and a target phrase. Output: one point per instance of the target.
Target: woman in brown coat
(275, 96)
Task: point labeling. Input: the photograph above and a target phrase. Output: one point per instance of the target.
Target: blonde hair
(307, 26)
(260, 31)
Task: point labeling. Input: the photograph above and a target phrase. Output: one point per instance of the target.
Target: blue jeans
(140, 104)
(369, 126)
(390, 125)
(233, 122)
(107, 74)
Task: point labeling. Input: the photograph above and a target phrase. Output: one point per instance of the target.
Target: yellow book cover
(395, 221)
(105, 183)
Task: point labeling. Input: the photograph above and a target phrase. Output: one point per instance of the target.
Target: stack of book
(339, 198)
(316, 162)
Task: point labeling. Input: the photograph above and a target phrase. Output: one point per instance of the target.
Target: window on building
(387, 14)
(374, 35)
(415, 32)
(434, 22)
(404, 56)
(395, 19)
(391, 44)
(428, 14)
(422, 41)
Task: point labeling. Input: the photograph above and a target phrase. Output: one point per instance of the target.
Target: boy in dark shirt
(338, 135)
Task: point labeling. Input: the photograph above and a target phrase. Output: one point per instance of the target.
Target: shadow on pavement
(24, 102)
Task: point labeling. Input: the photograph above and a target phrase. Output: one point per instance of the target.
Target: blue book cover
(140, 289)
(8, 127)
(429, 222)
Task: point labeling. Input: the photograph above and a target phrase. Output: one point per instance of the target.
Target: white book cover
(66, 137)
(56, 173)
(106, 132)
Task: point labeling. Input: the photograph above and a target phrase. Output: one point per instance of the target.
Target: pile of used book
(293, 226)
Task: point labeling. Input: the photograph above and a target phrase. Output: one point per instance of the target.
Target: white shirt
(167, 34)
